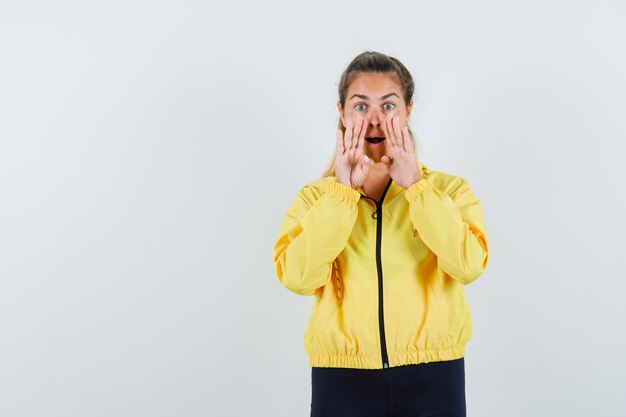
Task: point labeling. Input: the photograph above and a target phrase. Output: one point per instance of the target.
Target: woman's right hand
(351, 163)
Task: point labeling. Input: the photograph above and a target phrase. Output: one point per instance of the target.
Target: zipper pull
(376, 214)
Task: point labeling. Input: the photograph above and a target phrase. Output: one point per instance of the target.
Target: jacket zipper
(379, 229)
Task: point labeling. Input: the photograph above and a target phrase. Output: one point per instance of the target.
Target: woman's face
(375, 96)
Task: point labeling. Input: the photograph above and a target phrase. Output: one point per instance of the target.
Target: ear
(409, 108)
(343, 120)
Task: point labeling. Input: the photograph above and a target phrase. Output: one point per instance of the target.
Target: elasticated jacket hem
(372, 362)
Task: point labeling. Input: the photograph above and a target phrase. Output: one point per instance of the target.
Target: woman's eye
(386, 106)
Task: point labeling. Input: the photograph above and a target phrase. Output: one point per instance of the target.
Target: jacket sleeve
(313, 233)
(452, 227)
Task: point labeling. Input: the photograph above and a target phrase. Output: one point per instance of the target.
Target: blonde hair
(370, 61)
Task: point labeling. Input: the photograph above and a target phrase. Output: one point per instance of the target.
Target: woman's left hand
(400, 158)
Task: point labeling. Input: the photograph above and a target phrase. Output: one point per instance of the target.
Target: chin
(375, 157)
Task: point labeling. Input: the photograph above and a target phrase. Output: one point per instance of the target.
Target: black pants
(434, 389)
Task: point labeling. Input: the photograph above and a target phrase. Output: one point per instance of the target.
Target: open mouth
(374, 139)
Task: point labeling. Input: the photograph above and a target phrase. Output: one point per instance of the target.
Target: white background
(149, 149)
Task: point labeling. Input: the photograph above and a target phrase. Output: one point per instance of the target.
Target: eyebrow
(367, 98)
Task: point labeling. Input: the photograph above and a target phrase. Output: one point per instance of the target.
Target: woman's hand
(351, 163)
(400, 158)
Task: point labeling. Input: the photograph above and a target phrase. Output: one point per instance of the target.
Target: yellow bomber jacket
(387, 277)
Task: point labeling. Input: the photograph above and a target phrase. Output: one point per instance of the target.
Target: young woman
(385, 245)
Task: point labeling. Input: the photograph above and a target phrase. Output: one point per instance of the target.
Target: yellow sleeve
(313, 233)
(453, 228)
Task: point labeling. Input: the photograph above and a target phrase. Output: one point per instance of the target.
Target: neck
(378, 172)
(379, 169)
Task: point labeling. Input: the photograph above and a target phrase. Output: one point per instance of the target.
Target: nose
(374, 117)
